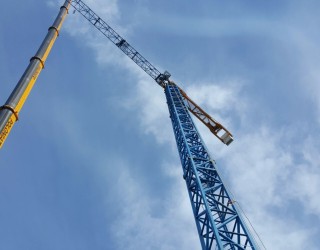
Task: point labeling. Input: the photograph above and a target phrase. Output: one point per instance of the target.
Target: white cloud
(221, 100)
(257, 160)
(139, 227)
(263, 174)
(260, 168)
(301, 39)
(149, 103)
(51, 3)
(108, 9)
(171, 227)
(214, 96)
(305, 183)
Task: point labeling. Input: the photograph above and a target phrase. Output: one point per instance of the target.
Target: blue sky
(92, 163)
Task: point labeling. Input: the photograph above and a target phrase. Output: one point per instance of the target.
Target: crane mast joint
(8, 107)
(163, 79)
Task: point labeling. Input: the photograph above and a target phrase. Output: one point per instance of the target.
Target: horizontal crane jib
(161, 78)
(114, 37)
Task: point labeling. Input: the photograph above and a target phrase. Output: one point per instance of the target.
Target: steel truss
(114, 37)
(161, 78)
(218, 222)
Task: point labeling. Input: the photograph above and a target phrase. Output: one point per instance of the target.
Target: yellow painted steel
(44, 58)
(5, 132)
(28, 89)
(29, 85)
(39, 68)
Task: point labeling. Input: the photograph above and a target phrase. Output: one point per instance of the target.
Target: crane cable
(234, 201)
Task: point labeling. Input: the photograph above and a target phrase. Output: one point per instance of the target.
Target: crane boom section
(10, 110)
(161, 78)
(219, 224)
(215, 127)
(114, 37)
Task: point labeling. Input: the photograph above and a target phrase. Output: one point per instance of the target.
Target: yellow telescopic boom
(9, 112)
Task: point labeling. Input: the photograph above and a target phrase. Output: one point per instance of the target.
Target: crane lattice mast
(220, 225)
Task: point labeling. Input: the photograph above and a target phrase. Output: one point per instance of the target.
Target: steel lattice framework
(218, 222)
(161, 78)
(114, 37)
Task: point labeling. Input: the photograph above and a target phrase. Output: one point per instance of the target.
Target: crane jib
(161, 78)
(220, 225)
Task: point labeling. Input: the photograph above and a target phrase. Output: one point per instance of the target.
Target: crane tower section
(218, 221)
(220, 226)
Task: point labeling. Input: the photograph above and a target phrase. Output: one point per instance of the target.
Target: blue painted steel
(219, 224)
(218, 221)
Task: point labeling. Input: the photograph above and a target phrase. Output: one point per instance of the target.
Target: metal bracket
(8, 107)
(54, 28)
(38, 58)
(162, 79)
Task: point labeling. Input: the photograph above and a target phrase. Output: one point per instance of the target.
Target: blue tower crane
(219, 223)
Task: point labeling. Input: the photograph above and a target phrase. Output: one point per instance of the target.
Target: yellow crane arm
(9, 112)
(215, 127)
(161, 78)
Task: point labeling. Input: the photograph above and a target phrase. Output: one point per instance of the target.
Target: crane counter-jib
(9, 112)
(161, 78)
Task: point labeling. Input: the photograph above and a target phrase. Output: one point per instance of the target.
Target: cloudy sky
(92, 163)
